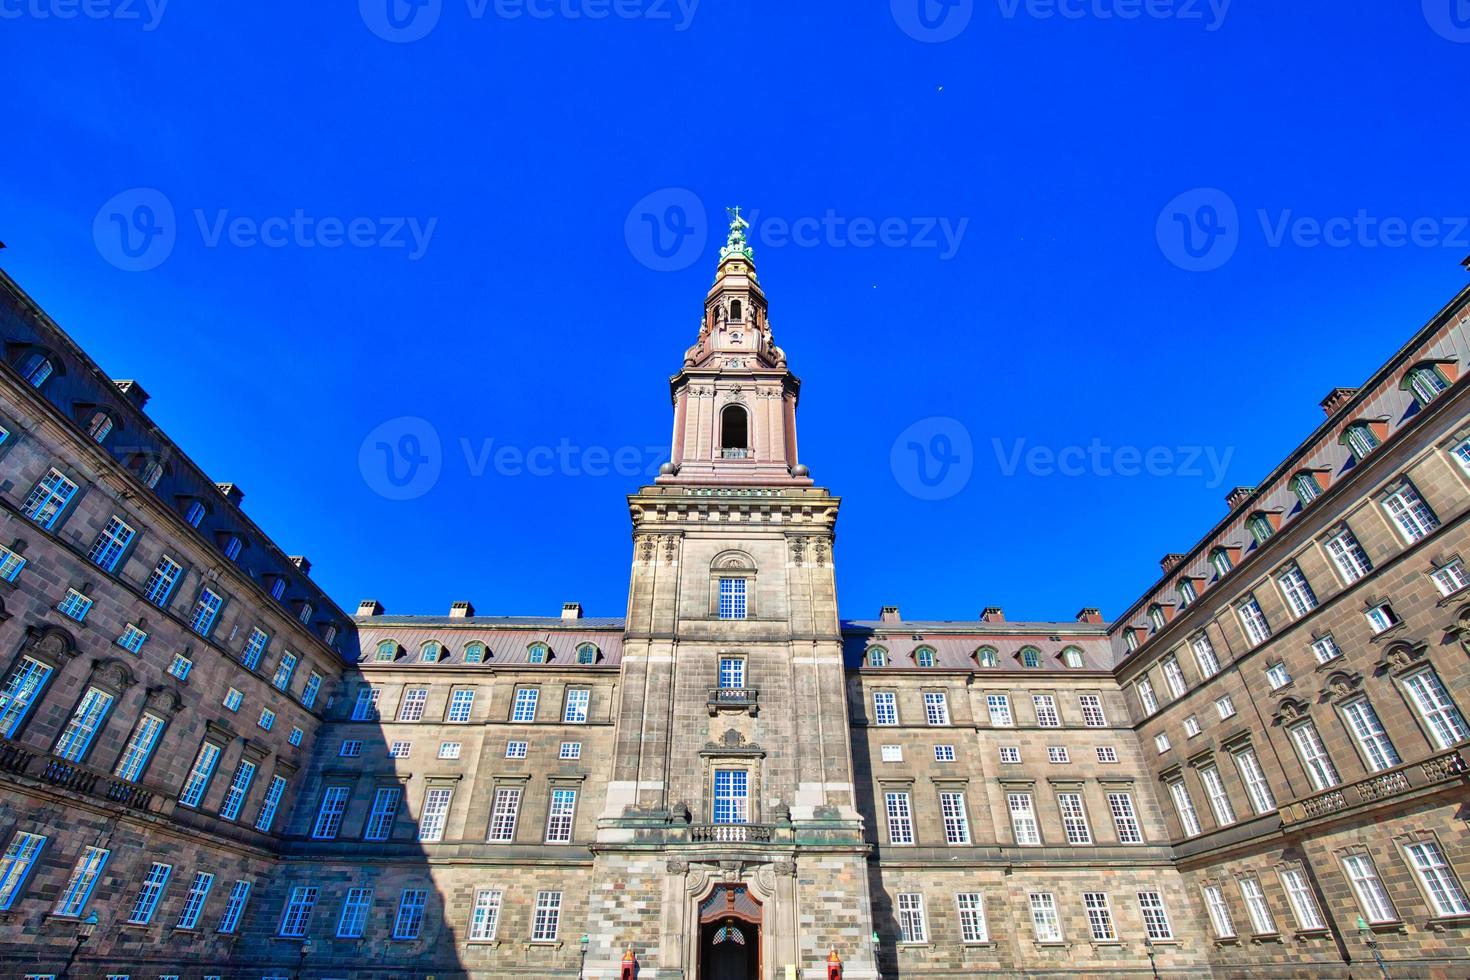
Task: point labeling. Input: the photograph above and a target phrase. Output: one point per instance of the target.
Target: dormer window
(1156, 617)
(877, 657)
(430, 652)
(1220, 560)
(987, 657)
(1306, 486)
(1072, 657)
(586, 654)
(1361, 439)
(1260, 526)
(474, 652)
(329, 635)
(924, 656)
(1426, 381)
(1187, 592)
(232, 547)
(278, 588)
(306, 612)
(1030, 657)
(36, 368)
(1130, 639)
(387, 652)
(151, 472)
(537, 653)
(99, 427)
(194, 513)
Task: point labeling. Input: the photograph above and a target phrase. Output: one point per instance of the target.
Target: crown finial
(736, 244)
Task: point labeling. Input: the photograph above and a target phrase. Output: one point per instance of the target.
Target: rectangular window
(255, 648)
(366, 706)
(267, 719)
(1257, 788)
(525, 704)
(1325, 649)
(973, 927)
(412, 708)
(944, 753)
(1023, 819)
(48, 499)
(1277, 676)
(575, 712)
(409, 923)
(1372, 896)
(911, 925)
(76, 737)
(1444, 721)
(1204, 656)
(75, 604)
(1224, 706)
(1450, 577)
(1262, 922)
(1300, 598)
(485, 916)
(111, 542)
(956, 821)
(1191, 726)
(570, 750)
(284, 670)
(503, 815)
(900, 818)
(270, 804)
(149, 893)
(1057, 754)
(84, 876)
(515, 750)
(1215, 793)
(1125, 818)
(1410, 514)
(545, 926)
(1092, 711)
(206, 609)
(136, 753)
(1146, 697)
(310, 691)
(449, 750)
(1348, 557)
(194, 900)
(1107, 754)
(1161, 742)
(355, 908)
(885, 708)
(296, 735)
(436, 813)
(999, 707)
(132, 639)
(1184, 806)
(384, 811)
(1368, 732)
(1253, 621)
(180, 666)
(732, 598)
(732, 796)
(461, 705)
(19, 693)
(1155, 919)
(1010, 754)
(234, 907)
(161, 581)
(732, 673)
(239, 788)
(936, 708)
(15, 865)
(1382, 618)
(329, 814)
(1099, 917)
(1046, 711)
(1174, 677)
(1438, 879)
(891, 753)
(351, 748)
(1044, 922)
(10, 564)
(1219, 912)
(559, 817)
(1303, 903)
(1315, 760)
(1074, 818)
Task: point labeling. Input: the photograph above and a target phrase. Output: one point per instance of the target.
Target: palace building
(208, 769)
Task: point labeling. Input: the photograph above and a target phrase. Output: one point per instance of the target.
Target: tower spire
(735, 243)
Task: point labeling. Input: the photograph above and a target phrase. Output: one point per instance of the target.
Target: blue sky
(1067, 148)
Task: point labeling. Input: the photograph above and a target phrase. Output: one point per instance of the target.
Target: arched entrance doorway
(730, 935)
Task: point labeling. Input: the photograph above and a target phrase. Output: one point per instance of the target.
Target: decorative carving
(164, 699)
(1341, 685)
(671, 549)
(821, 553)
(798, 550)
(112, 673)
(50, 643)
(1289, 710)
(674, 867)
(1403, 657)
(698, 879)
(785, 868)
(645, 548)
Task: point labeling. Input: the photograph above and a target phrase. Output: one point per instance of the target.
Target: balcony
(21, 761)
(733, 699)
(732, 833)
(735, 454)
(1416, 776)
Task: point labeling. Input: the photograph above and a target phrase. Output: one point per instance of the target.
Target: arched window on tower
(734, 437)
(736, 313)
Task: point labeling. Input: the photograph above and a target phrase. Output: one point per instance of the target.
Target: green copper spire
(735, 244)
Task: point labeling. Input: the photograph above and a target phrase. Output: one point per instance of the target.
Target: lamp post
(582, 966)
(1148, 946)
(85, 928)
(301, 964)
(1366, 934)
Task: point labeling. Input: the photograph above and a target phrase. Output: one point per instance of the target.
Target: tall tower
(731, 845)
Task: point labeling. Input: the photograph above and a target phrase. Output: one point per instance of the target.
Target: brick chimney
(1238, 496)
(302, 563)
(370, 607)
(132, 391)
(993, 614)
(1170, 561)
(461, 610)
(889, 614)
(1089, 615)
(231, 492)
(571, 610)
(1336, 399)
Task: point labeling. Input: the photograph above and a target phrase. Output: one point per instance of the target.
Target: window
(1300, 598)
(1044, 922)
(987, 657)
(311, 689)
(900, 818)
(1224, 706)
(1360, 439)
(1219, 912)
(559, 816)
(1161, 742)
(1372, 896)
(298, 912)
(111, 542)
(15, 865)
(1450, 577)
(48, 499)
(1107, 754)
(278, 588)
(1092, 711)
(732, 673)
(206, 608)
(944, 753)
(234, 907)
(1072, 657)
(1426, 382)
(1046, 711)
(400, 750)
(1146, 697)
(136, 753)
(1030, 657)
(1184, 807)
(999, 707)
(1348, 556)
(538, 653)
(449, 750)
(1410, 514)
(1074, 818)
(936, 708)
(1010, 754)
(412, 708)
(1462, 453)
(1204, 656)
(885, 708)
(366, 706)
(194, 514)
(75, 604)
(485, 916)
(461, 705)
(430, 652)
(1437, 879)
(409, 923)
(1368, 732)
(36, 368)
(296, 735)
(732, 796)
(525, 704)
(1277, 676)
(84, 876)
(19, 693)
(1156, 617)
(1125, 818)
(877, 657)
(232, 547)
(254, 648)
(329, 814)
(474, 652)
(1257, 788)
(267, 719)
(355, 907)
(239, 788)
(1253, 621)
(435, 815)
(1221, 561)
(270, 804)
(1187, 592)
(284, 670)
(732, 598)
(1315, 760)
(1303, 903)
(891, 753)
(548, 917)
(1306, 487)
(973, 927)
(149, 893)
(1445, 723)
(1023, 819)
(1262, 922)
(956, 821)
(515, 750)
(1130, 639)
(1099, 917)
(387, 652)
(1261, 527)
(570, 750)
(1191, 726)
(575, 712)
(1174, 677)
(1382, 618)
(10, 564)
(1057, 754)
(1215, 793)
(911, 926)
(76, 737)
(1325, 649)
(1155, 919)
(132, 639)
(384, 811)
(194, 900)
(503, 814)
(924, 657)
(180, 666)
(586, 654)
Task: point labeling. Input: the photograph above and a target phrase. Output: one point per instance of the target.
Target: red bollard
(630, 967)
(834, 966)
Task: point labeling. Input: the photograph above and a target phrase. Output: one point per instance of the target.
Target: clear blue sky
(533, 316)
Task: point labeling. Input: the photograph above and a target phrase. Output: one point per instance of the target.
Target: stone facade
(1256, 770)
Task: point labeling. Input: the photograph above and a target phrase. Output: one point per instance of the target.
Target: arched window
(587, 654)
(987, 657)
(734, 439)
(1030, 657)
(877, 657)
(1130, 639)
(924, 656)
(1220, 559)
(538, 653)
(36, 368)
(151, 472)
(429, 653)
(99, 426)
(1361, 439)
(1261, 526)
(1072, 657)
(1156, 617)
(736, 313)
(474, 652)
(1426, 381)
(387, 651)
(1306, 486)
(1187, 592)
